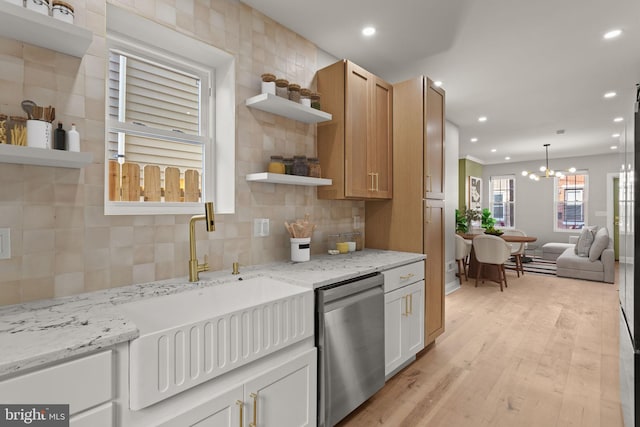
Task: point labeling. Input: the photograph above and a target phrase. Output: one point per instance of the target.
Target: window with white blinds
(156, 127)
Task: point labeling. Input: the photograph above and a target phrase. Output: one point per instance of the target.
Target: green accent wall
(466, 168)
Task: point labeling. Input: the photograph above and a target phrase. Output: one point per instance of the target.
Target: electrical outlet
(5, 243)
(451, 265)
(260, 227)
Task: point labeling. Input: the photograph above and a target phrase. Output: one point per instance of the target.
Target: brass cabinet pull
(240, 404)
(408, 276)
(404, 302)
(377, 181)
(371, 174)
(429, 213)
(410, 298)
(254, 396)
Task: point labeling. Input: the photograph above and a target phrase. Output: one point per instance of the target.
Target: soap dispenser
(73, 139)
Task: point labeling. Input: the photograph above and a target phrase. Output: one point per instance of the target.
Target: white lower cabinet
(86, 384)
(404, 325)
(282, 396)
(224, 410)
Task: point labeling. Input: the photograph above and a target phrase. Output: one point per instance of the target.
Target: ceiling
(531, 67)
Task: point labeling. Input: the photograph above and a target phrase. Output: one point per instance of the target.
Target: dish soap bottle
(73, 139)
(59, 138)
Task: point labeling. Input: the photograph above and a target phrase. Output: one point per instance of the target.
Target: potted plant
(462, 226)
(487, 221)
(465, 218)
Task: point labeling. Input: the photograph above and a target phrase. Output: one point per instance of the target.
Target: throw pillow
(600, 243)
(584, 242)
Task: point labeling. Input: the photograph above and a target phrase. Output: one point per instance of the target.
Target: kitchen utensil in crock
(27, 107)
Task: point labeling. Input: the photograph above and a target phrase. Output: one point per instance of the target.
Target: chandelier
(545, 172)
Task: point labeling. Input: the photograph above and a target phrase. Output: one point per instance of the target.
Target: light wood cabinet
(414, 220)
(355, 147)
(434, 280)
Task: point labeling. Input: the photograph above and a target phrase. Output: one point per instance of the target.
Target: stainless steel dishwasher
(350, 341)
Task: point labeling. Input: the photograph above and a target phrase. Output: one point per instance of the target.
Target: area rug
(536, 266)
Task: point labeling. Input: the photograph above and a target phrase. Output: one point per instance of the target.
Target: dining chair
(517, 250)
(463, 249)
(491, 250)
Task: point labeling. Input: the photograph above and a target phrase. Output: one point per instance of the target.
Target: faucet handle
(205, 266)
(236, 269)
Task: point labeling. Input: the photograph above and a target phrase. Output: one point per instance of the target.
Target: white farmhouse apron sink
(194, 336)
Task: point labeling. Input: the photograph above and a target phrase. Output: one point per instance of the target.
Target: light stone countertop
(40, 332)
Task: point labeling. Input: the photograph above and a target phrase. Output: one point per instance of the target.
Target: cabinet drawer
(81, 383)
(401, 276)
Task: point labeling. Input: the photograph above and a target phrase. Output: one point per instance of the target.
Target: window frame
(141, 37)
(512, 202)
(584, 203)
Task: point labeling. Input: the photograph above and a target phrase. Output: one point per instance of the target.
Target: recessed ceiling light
(437, 83)
(610, 94)
(482, 118)
(614, 147)
(615, 135)
(618, 119)
(507, 158)
(474, 139)
(368, 31)
(493, 150)
(612, 34)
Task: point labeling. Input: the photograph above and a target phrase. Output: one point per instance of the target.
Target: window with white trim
(502, 193)
(570, 201)
(165, 96)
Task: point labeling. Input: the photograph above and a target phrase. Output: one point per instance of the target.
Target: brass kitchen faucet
(210, 224)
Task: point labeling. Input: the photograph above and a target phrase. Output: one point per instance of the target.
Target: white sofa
(598, 268)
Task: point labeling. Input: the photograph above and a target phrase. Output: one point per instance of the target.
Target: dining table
(491, 272)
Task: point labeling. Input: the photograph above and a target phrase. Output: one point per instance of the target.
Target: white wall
(451, 202)
(534, 199)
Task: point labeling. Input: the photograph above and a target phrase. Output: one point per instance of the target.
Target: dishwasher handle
(354, 286)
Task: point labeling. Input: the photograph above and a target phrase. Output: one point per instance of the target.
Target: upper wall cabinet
(31, 27)
(434, 141)
(355, 147)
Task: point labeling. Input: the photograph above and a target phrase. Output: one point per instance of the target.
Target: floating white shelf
(43, 157)
(278, 178)
(283, 107)
(26, 25)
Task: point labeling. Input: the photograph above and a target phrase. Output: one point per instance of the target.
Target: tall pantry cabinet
(354, 147)
(413, 220)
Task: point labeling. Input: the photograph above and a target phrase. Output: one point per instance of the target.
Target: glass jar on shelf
(282, 88)
(288, 165)
(3, 128)
(17, 130)
(269, 83)
(300, 166)
(314, 167)
(276, 165)
(305, 97)
(294, 92)
(315, 100)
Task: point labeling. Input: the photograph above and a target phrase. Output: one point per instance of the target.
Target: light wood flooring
(542, 353)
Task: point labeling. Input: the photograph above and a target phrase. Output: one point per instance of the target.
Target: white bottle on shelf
(73, 139)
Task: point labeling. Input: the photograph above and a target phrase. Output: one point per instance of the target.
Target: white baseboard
(451, 286)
